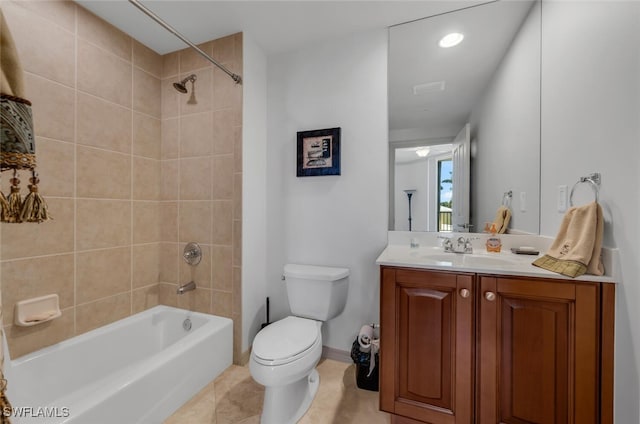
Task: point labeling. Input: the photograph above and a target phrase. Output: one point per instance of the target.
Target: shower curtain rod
(237, 78)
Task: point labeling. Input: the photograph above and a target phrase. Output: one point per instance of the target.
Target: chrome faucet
(463, 245)
(191, 285)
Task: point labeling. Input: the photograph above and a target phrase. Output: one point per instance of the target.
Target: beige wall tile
(237, 243)
(34, 277)
(102, 224)
(227, 94)
(147, 59)
(103, 124)
(221, 303)
(237, 148)
(103, 34)
(102, 273)
(222, 274)
(195, 179)
(169, 221)
(196, 135)
(200, 273)
(170, 139)
(170, 179)
(146, 222)
(146, 93)
(195, 222)
(170, 63)
(104, 75)
(169, 96)
(102, 174)
(102, 312)
(53, 108)
(224, 49)
(223, 178)
(55, 167)
(237, 196)
(223, 133)
(191, 60)
(147, 136)
(145, 298)
(47, 238)
(169, 256)
(146, 179)
(45, 48)
(198, 300)
(222, 213)
(200, 97)
(23, 340)
(61, 12)
(167, 294)
(237, 290)
(146, 264)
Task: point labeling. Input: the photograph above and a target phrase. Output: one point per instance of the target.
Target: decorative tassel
(4, 208)
(15, 200)
(5, 405)
(34, 208)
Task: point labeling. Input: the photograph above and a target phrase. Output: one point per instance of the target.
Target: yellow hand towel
(578, 245)
(501, 221)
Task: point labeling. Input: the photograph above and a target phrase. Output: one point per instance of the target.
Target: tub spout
(191, 285)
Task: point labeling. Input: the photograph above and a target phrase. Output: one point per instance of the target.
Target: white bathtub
(137, 370)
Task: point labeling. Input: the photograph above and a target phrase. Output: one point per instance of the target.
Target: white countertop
(431, 255)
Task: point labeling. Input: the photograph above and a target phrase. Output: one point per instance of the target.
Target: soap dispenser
(494, 244)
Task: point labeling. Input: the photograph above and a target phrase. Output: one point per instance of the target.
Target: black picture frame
(318, 152)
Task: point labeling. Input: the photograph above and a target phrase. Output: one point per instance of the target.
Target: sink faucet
(191, 285)
(463, 245)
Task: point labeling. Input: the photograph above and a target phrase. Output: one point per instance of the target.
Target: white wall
(505, 127)
(590, 122)
(254, 199)
(330, 220)
(412, 175)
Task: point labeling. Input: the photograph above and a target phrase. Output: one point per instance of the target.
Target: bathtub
(137, 370)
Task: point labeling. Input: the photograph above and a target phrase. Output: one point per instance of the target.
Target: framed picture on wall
(319, 152)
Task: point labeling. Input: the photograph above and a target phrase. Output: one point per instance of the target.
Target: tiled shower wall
(130, 170)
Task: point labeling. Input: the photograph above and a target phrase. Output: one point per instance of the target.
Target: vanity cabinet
(471, 348)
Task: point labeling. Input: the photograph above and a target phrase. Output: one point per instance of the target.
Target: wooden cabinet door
(538, 351)
(426, 363)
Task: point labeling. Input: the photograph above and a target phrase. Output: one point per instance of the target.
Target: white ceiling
(276, 25)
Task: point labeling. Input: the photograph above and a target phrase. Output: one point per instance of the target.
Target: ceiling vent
(429, 87)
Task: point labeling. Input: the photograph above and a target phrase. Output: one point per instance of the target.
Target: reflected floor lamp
(409, 194)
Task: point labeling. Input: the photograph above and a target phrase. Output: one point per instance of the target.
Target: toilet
(285, 353)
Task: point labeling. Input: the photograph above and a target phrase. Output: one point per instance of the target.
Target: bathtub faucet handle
(191, 285)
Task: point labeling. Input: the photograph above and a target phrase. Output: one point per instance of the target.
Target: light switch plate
(562, 198)
(523, 201)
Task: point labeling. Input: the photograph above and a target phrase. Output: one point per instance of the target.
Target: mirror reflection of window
(445, 191)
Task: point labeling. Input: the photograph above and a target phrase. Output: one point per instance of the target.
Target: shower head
(181, 86)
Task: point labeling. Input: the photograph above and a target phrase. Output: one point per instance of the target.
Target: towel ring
(594, 182)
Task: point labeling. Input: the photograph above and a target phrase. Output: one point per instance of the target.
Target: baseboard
(336, 354)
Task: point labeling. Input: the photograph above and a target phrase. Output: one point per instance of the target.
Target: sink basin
(437, 257)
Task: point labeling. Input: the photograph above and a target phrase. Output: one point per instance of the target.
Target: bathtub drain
(186, 324)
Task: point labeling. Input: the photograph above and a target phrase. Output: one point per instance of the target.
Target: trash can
(364, 379)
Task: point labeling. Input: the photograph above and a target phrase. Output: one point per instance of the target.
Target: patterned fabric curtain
(17, 142)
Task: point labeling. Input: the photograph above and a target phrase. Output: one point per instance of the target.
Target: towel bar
(593, 180)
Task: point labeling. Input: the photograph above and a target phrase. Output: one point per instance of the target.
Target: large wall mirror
(464, 120)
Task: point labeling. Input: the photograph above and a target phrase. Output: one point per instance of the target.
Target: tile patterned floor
(234, 398)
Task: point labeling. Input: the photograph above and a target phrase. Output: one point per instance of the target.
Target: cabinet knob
(465, 293)
(490, 296)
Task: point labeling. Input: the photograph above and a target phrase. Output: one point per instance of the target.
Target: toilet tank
(316, 292)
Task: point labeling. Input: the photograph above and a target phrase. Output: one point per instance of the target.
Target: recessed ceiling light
(451, 40)
(422, 152)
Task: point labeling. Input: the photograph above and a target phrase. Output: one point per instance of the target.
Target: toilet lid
(285, 338)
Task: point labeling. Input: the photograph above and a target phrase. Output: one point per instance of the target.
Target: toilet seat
(285, 341)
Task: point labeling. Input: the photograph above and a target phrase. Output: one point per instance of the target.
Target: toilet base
(287, 404)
